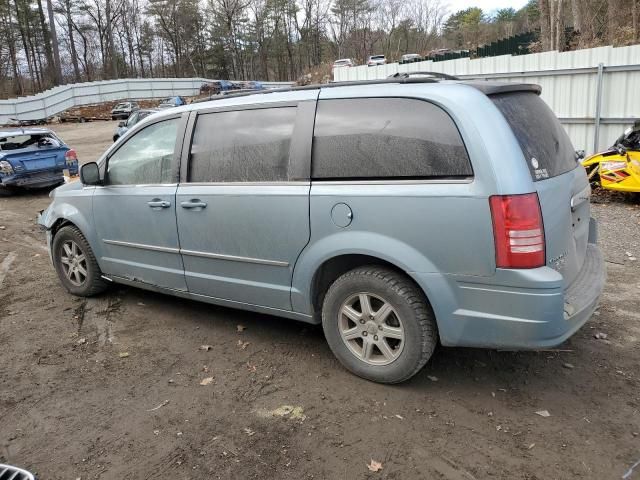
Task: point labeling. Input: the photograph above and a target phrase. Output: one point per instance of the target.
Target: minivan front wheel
(379, 324)
(75, 263)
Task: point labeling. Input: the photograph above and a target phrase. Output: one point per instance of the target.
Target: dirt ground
(110, 388)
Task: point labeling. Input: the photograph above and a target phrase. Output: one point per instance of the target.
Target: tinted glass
(146, 157)
(386, 138)
(544, 143)
(242, 146)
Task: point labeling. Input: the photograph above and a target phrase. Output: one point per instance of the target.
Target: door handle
(159, 204)
(193, 204)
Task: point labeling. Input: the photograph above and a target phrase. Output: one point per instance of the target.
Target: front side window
(242, 146)
(386, 138)
(146, 157)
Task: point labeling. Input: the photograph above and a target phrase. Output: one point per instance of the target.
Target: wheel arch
(68, 215)
(322, 263)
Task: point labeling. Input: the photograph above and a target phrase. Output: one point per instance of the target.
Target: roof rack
(486, 87)
(326, 85)
(440, 75)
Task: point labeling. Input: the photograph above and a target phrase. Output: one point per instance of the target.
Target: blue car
(33, 158)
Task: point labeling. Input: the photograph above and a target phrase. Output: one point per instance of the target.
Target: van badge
(534, 162)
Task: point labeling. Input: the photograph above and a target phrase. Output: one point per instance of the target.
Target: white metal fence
(58, 99)
(594, 92)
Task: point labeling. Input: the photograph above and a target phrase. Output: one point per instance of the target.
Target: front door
(135, 210)
(243, 213)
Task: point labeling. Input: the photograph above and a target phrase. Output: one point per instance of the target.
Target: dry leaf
(249, 432)
(206, 381)
(251, 368)
(432, 378)
(399, 416)
(374, 466)
(243, 345)
(543, 413)
(206, 347)
(241, 328)
(123, 354)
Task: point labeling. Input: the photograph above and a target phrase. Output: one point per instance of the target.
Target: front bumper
(42, 223)
(530, 310)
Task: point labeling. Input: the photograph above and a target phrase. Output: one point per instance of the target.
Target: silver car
(374, 60)
(398, 214)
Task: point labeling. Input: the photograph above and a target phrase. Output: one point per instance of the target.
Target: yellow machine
(618, 168)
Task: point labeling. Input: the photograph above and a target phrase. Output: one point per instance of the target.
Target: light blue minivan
(398, 213)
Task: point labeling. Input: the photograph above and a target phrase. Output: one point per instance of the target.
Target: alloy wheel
(74, 263)
(371, 329)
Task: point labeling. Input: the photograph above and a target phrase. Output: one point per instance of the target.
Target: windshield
(377, 57)
(122, 105)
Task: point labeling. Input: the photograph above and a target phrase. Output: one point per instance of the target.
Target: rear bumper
(37, 179)
(529, 310)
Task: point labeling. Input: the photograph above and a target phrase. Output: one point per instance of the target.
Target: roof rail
(440, 75)
(486, 87)
(326, 85)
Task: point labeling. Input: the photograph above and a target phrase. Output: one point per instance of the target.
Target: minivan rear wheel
(379, 324)
(76, 264)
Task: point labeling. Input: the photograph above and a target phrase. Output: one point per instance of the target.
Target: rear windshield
(35, 141)
(377, 57)
(544, 142)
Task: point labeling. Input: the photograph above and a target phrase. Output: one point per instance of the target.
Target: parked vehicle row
(138, 115)
(33, 158)
(396, 214)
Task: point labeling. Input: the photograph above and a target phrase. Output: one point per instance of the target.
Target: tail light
(70, 156)
(518, 231)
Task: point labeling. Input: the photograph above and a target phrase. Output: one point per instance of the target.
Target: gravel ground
(112, 387)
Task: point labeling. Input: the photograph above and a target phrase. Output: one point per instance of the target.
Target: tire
(402, 343)
(6, 191)
(83, 285)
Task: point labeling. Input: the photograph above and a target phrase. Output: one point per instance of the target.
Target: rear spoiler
(494, 88)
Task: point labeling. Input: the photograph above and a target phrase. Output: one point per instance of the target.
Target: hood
(67, 187)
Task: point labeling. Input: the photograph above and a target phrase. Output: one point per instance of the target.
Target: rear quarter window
(386, 138)
(545, 144)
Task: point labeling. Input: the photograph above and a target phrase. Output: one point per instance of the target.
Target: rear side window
(242, 146)
(382, 138)
(544, 142)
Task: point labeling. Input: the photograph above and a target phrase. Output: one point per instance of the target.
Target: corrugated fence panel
(58, 99)
(569, 83)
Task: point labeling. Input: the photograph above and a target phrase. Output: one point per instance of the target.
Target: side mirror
(122, 124)
(90, 174)
(580, 155)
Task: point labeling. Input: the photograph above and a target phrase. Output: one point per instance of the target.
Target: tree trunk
(559, 25)
(54, 44)
(634, 19)
(51, 69)
(23, 36)
(545, 25)
(72, 43)
(111, 51)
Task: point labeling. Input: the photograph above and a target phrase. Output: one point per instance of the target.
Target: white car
(410, 57)
(374, 60)
(343, 62)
